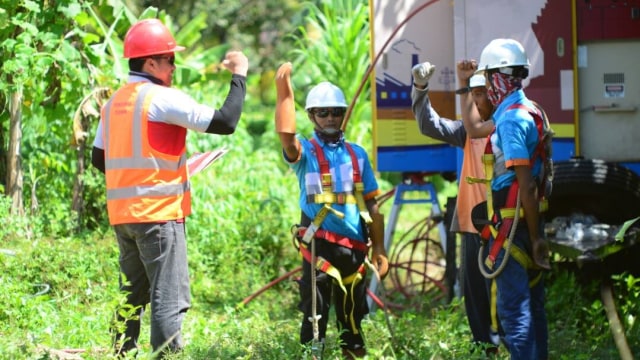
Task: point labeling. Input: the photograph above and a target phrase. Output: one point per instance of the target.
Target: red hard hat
(149, 37)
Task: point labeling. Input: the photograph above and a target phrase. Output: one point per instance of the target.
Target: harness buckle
(309, 232)
(326, 180)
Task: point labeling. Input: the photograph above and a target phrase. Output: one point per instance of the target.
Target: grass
(58, 294)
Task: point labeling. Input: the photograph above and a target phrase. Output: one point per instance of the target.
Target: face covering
(502, 85)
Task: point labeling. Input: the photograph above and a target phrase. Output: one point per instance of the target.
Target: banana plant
(333, 45)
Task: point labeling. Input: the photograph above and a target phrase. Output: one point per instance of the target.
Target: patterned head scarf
(502, 85)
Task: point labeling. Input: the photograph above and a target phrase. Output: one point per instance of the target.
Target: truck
(584, 71)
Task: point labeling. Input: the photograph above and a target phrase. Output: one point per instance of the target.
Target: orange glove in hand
(285, 105)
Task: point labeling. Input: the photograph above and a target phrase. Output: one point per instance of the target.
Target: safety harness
(502, 225)
(304, 237)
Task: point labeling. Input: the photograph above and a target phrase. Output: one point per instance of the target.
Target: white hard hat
(325, 94)
(477, 80)
(502, 53)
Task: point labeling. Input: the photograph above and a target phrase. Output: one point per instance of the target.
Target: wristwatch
(463, 90)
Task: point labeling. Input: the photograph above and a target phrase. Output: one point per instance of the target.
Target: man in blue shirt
(340, 218)
(476, 110)
(517, 177)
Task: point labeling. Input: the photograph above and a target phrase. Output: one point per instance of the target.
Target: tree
(258, 27)
(43, 72)
(29, 49)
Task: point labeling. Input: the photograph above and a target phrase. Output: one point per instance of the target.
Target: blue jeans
(153, 262)
(520, 307)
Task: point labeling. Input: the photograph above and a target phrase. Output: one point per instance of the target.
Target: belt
(337, 239)
(332, 198)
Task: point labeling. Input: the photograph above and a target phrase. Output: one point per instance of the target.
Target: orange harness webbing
(335, 238)
(327, 198)
(358, 185)
(325, 266)
(325, 174)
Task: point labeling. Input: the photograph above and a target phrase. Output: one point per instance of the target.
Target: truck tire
(608, 191)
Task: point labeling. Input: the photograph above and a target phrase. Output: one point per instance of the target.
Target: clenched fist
(236, 62)
(422, 73)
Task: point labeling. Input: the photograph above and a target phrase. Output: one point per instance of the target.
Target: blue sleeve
(513, 134)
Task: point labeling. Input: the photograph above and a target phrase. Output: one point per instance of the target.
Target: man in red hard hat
(140, 145)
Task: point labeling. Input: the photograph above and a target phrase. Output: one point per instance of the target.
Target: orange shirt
(469, 195)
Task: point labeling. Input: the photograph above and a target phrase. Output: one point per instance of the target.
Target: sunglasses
(170, 59)
(323, 113)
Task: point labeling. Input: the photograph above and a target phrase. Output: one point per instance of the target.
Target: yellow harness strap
(318, 220)
(494, 305)
(352, 280)
(543, 206)
(526, 262)
(488, 160)
(332, 198)
(328, 196)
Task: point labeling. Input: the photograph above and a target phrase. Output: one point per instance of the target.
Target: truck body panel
(584, 72)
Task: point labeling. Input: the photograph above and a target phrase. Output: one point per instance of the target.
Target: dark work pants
(153, 261)
(347, 261)
(476, 291)
(520, 307)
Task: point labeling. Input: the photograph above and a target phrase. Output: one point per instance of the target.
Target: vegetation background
(58, 259)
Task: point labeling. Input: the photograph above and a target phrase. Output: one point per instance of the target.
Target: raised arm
(286, 113)
(225, 120)
(473, 122)
(429, 121)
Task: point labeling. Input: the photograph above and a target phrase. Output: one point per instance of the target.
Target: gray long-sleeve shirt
(431, 124)
(454, 133)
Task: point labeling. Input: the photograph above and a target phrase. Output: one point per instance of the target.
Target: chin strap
(330, 138)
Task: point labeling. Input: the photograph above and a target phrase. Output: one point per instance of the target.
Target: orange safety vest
(143, 184)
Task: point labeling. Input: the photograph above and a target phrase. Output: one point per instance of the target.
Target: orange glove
(379, 254)
(285, 105)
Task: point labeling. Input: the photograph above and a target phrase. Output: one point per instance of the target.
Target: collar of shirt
(513, 98)
(331, 144)
(136, 76)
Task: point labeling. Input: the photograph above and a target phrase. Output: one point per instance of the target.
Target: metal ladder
(430, 197)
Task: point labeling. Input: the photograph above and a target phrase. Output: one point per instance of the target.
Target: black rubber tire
(608, 191)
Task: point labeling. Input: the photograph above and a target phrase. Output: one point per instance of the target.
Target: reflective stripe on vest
(143, 185)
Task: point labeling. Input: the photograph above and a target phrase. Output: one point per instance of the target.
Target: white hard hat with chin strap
(506, 56)
(324, 95)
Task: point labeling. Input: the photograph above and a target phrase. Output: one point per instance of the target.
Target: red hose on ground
(266, 287)
(287, 275)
